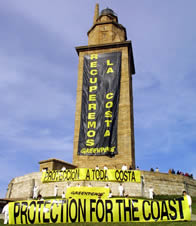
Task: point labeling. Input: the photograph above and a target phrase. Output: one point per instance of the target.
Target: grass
(194, 205)
(123, 224)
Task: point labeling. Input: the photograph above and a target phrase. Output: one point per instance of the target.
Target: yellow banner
(79, 174)
(98, 210)
(87, 192)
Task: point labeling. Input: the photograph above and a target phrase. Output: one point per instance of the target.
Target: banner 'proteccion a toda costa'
(85, 174)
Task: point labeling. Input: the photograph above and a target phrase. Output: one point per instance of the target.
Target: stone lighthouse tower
(104, 125)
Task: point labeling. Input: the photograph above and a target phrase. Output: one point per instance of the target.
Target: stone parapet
(162, 183)
(167, 184)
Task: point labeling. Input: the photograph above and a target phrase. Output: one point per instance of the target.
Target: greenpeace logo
(100, 194)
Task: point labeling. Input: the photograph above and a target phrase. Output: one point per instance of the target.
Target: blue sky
(38, 79)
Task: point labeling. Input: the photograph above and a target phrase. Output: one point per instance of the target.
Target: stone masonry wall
(167, 184)
(125, 131)
(163, 184)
